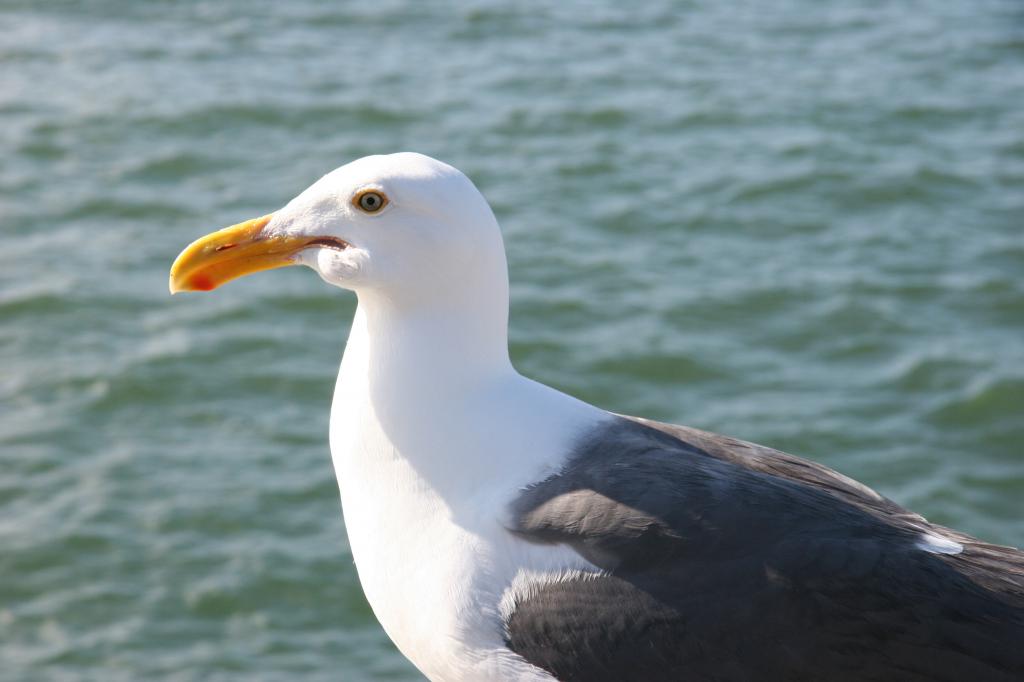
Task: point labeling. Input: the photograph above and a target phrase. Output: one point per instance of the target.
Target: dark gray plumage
(731, 562)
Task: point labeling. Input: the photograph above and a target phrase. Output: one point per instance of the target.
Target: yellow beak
(232, 252)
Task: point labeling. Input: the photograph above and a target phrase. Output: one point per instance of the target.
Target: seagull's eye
(370, 201)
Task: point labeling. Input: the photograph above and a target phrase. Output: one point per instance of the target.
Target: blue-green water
(797, 222)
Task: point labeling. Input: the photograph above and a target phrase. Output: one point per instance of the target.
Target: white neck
(422, 371)
(444, 342)
(433, 433)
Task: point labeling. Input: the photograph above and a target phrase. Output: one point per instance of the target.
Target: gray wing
(728, 561)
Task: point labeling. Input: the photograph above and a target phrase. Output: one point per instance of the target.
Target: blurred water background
(798, 222)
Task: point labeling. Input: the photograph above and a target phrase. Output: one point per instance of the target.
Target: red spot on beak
(201, 282)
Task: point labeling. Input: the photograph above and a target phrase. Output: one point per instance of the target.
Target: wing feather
(728, 561)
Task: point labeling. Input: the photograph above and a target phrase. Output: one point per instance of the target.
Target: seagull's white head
(402, 226)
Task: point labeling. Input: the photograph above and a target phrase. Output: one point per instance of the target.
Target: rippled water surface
(797, 222)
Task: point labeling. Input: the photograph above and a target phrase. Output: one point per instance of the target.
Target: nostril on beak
(225, 247)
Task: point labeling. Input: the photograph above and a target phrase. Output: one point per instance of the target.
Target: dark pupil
(370, 201)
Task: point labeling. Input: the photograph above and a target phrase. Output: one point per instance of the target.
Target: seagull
(503, 530)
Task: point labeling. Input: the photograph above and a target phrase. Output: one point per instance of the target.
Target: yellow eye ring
(370, 201)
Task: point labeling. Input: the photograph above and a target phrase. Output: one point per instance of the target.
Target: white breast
(424, 508)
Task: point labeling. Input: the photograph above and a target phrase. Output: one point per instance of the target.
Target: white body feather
(429, 447)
